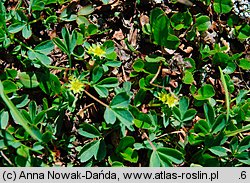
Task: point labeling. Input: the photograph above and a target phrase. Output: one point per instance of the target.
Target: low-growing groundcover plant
(124, 83)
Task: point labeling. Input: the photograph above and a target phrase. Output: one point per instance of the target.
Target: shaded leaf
(88, 131)
(89, 150)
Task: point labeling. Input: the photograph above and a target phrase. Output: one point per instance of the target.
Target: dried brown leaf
(144, 19)
(118, 35)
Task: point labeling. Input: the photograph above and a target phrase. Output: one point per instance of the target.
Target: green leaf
(39, 117)
(121, 100)
(61, 45)
(51, 19)
(92, 29)
(125, 150)
(32, 110)
(28, 79)
(172, 42)
(153, 59)
(47, 137)
(2, 35)
(49, 83)
(16, 27)
(86, 10)
(17, 116)
(55, 84)
(138, 65)
(191, 64)
(188, 77)
(189, 115)
(97, 74)
(105, 1)
(9, 86)
(26, 32)
(244, 144)
(4, 119)
(222, 6)
(88, 131)
(202, 127)
(181, 20)
(143, 121)
(164, 157)
(244, 157)
(125, 142)
(240, 130)
(244, 64)
(45, 47)
(89, 150)
(219, 123)
(139, 97)
(113, 63)
(109, 116)
(220, 58)
(241, 95)
(82, 20)
(161, 31)
(244, 32)
(124, 117)
(130, 155)
(70, 42)
(172, 155)
(73, 41)
(230, 68)
(23, 151)
(108, 82)
(117, 164)
(44, 59)
(233, 144)
(37, 5)
(183, 105)
(218, 150)
(154, 14)
(205, 92)
(155, 160)
(209, 113)
(202, 23)
(177, 113)
(101, 154)
(102, 91)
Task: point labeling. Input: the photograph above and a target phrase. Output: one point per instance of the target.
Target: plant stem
(144, 134)
(22, 44)
(70, 63)
(35, 21)
(6, 158)
(223, 80)
(156, 85)
(58, 68)
(96, 99)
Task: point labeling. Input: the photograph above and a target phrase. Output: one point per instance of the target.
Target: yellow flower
(170, 99)
(96, 50)
(76, 85)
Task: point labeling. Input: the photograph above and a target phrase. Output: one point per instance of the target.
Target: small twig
(96, 99)
(163, 135)
(243, 78)
(124, 74)
(6, 158)
(149, 141)
(156, 75)
(86, 107)
(156, 85)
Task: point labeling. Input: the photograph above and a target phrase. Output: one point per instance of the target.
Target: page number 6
(243, 175)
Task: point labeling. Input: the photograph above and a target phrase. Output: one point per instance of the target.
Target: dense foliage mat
(124, 83)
